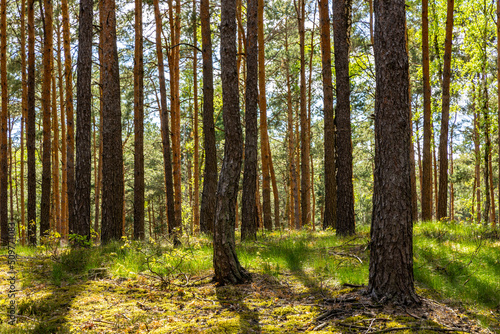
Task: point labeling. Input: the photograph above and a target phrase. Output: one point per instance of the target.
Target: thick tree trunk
(248, 207)
(345, 192)
(330, 213)
(391, 260)
(30, 126)
(138, 125)
(4, 223)
(445, 117)
(169, 185)
(83, 161)
(112, 154)
(207, 210)
(226, 265)
(427, 159)
(46, 90)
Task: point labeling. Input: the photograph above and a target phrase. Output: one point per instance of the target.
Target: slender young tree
(24, 114)
(70, 137)
(442, 200)
(81, 224)
(487, 144)
(196, 160)
(4, 224)
(169, 185)
(46, 90)
(226, 265)
(207, 211)
(329, 127)
(305, 191)
(248, 207)
(112, 154)
(498, 87)
(345, 192)
(391, 260)
(427, 159)
(138, 125)
(30, 126)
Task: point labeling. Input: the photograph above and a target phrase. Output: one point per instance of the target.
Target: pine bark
(169, 185)
(477, 155)
(330, 212)
(207, 210)
(70, 139)
(46, 111)
(138, 125)
(226, 265)
(426, 159)
(445, 117)
(196, 162)
(305, 191)
(23, 115)
(345, 192)
(63, 197)
(4, 223)
(83, 161)
(30, 126)
(391, 260)
(112, 154)
(248, 207)
(56, 198)
(487, 147)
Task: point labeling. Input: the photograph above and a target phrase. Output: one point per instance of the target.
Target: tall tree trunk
(477, 155)
(266, 176)
(309, 104)
(64, 183)
(196, 204)
(345, 192)
(486, 131)
(173, 55)
(208, 199)
(329, 125)
(248, 207)
(305, 191)
(55, 158)
(427, 159)
(435, 178)
(419, 154)
(391, 260)
(4, 224)
(138, 125)
(112, 154)
(46, 90)
(30, 126)
(169, 184)
(83, 161)
(492, 193)
(498, 97)
(442, 201)
(226, 265)
(275, 188)
(23, 115)
(452, 190)
(70, 139)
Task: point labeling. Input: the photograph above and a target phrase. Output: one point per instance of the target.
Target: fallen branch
(347, 255)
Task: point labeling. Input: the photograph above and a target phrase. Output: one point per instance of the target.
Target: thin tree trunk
(70, 139)
(309, 104)
(23, 115)
(248, 201)
(330, 200)
(4, 224)
(420, 178)
(493, 209)
(55, 159)
(477, 154)
(46, 90)
(442, 201)
(112, 154)
(498, 98)
(487, 147)
(196, 195)
(391, 260)
(435, 180)
(169, 186)
(345, 192)
(275, 189)
(64, 184)
(305, 191)
(138, 125)
(30, 126)
(226, 265)
(427, 158)
(266, 176)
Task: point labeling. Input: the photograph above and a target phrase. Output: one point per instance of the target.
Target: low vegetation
(302, 282)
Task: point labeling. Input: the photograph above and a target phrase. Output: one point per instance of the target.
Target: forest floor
(302, 282)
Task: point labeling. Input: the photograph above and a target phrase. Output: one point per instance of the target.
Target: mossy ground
(298, 287)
